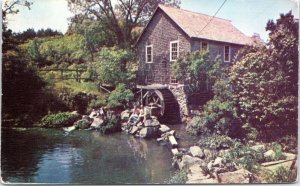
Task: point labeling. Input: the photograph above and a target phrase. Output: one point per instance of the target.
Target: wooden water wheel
(164, 100)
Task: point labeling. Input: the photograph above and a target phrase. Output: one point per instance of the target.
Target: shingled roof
(218, 29)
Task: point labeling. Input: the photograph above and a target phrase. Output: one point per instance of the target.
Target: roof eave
(193, 37)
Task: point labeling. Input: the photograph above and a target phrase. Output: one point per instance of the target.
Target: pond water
(83, 157)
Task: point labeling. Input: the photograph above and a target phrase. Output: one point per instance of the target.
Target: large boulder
(125, 115)
(239, 176)
(133, 130)
(209, 154)
(151, 123)
(149, 132)
(164, 128)
(97, 123)
(196, 151)
(82, 124)
(195, 175)
(188, 160)
(218, 162)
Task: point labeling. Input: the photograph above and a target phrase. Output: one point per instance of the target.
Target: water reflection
(86, 157)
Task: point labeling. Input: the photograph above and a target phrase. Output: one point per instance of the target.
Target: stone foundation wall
(181, 96)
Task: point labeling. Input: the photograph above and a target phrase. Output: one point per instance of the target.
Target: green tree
(94, 32)
(265, 80)
(114, 66)
(197, 70)
(120, 19)
(56, 50)
(120, 96)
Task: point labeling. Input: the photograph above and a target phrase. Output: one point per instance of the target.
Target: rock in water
(134, 130)
(239, 176)
(69, 129)
(175, 151)
(164, 128)
(152, 123)
(82, 124)
(97, 122)
(196, 151)
(173, 141)
(149, 132)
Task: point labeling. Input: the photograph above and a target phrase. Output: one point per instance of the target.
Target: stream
(38, 155)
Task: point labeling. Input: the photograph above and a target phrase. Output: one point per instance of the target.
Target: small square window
(204, 46)
(173, 80)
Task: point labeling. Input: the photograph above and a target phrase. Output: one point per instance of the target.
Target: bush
(96, 103)
(282, 175)
(120, 96)
(245, 157)
(78, 96)
(216, 142)
(289, 143)
(277, 148)
(219, 114)
(110, 126)
(265, 80)
(180, 177)
(62, 119)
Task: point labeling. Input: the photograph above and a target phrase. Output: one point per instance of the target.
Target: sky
(249, 16)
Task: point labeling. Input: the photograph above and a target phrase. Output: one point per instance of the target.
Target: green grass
(76, 87)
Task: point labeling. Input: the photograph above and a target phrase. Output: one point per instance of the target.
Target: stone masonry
(181, 96)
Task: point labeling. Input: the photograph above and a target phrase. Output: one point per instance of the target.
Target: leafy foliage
(265, 80)
(62, 119)
(119, 96)
(197, 69)
(216, 118)
(245, 156)
(115, 66)
(78, 96)
(56, 50)
(110, 126)
(30, 33)
(282, 175)
(179, 177)
(216, 142)
(289, 143)
(20, 86)
(134, 14)
(277, 148)
(95, 34)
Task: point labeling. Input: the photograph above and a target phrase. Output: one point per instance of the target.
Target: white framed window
(174, 50)
(227, 53)
(149, 53)
(204, 46)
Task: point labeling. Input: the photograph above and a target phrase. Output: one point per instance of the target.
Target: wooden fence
(77, 74)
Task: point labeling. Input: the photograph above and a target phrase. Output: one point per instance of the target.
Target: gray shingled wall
(160, 32)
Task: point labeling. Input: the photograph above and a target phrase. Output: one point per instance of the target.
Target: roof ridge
(161, 5)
